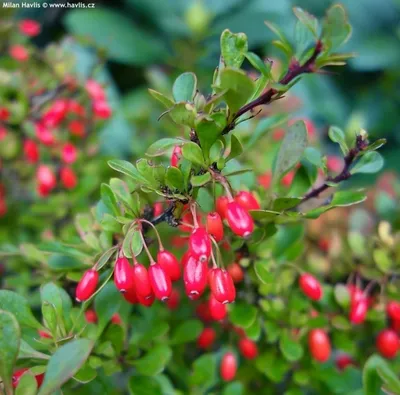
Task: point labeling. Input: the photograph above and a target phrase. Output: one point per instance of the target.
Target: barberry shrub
(193, 272)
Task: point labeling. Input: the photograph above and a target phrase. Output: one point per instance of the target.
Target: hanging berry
(87, 285)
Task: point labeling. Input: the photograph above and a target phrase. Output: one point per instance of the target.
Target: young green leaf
(336, 29)
(308, 20)
(166, 101)
(337, 136)
(161, 146)
(183, 114)
(154, 361)
(174, 179)
(186, 332)
(192, 152)
(242, 314)
(233, 48)
(371, 162)
(185, 87)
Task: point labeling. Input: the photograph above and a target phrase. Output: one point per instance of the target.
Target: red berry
(358, 311)
(4, 114)
(76, 108)
(3, 133)
(77, 128)
(19, 53)
(123, 275)
(310, 286)
(160, 282)
(101, 109)
(356, 294)
(324, 244)
(31, 151)
(55, 114)
(393, 310)
(142, 282)
(176, 155)
(388, 343)
(239, 220)
(334, 164)
(170, 264)
(228, 367)
(68, 178)
(248, 348)
(344, 360)
(17, 376)
(3, 207)
(44, 135)
(130, 296)
(91, 316)
(39, 379)
(236, 272)
(157, 209)
(69, 153)
(214, 226)
(44, 334)
(147, 302)
(287, 179)
(195, 277)
(221, 206)
(206, 338)
(222, 286)
(203, 312)
(116, 319)
(278, 134)
(46, 178)
(29, 27)
(200, 244)
(247, 200)
(319, 345)
(265, 179)
(87, 285)
(174, 299)
(95, 90)
(218, 310)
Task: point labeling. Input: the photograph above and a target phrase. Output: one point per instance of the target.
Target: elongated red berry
(344, 360)
(101, 109)
(44, 134)
(19, 53)
(68, 178)
(95, 90)
(356, 294)
(87, 285)
(310, 286)
(217, 309)
(358, 311)
(248, 348)
(69, 153)
(195, 277)
(388, 343)
(236, 272)
(247, 200)
(123, 275)
(222, 286)
(319, 345)
(174, 299)
(77, 128)
(91, 316)
(176, 155)
(31, 151)
(44, 334)
(200, 244)
(29, 27)
(228, 367)
(239, 220)
(142, 282)
(221, 206)
(130, 296)
(160, 282)
(265, 179)
(393, 310)
(170, 264)
(206, 338)
(214, 226)
(157, 209)
(147, 302)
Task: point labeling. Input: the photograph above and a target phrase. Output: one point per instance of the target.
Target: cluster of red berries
(19, 373)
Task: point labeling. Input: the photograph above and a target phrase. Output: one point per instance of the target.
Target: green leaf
(161, 146)
(174, 179)
(132, 243)
(233, 48)
(342, 295)
(371, 162)
(264, 214)
(123, 40)
(126, 168)
(209, 129)
(290, 349)
(263, 271)
(382, 260)
(10, 335)
(284, 43)
(186, 332)
(242, 314)
(58, 262)
(236, 148)
(291, 149)
(239, 88)
(192, 152)
(183, 114)
(185, 87)
(282, 204)
(308, 20)
(109, 199)
(204, 372)
(375, 145)
(264, 126)
(198, 181)
(166, 101)
(389, 377)
(337, 136)
(234, 388)
(154, 361)
(18, 306)
(144, 385)
(313, 156)
(27, 384)
(257, 63)
(336, 29)
(28, 352)
(64, 363)
(372, 381)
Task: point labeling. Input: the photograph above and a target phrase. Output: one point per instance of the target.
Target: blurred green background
(147, 43)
